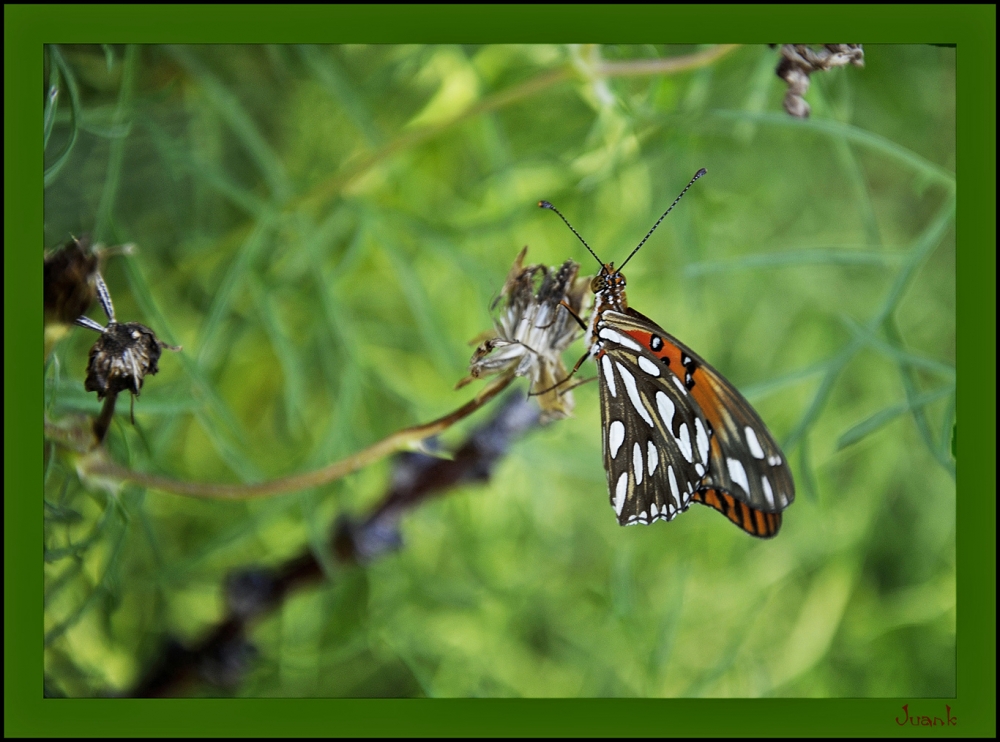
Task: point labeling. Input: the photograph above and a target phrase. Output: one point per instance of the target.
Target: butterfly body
(675, 431)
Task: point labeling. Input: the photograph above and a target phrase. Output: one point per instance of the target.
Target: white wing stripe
(702, 437)
(616, 436)
(767, 491)
(616, 337)
(609, 375)
(738, 474)
(665, 405)
(756, 451)
(633, 394)
(620, 490)
(684, 443)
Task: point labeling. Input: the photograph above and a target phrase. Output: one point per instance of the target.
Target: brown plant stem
(103, 421)
(98, 465)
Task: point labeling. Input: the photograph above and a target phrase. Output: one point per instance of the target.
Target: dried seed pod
(122, 357)
(798, 61)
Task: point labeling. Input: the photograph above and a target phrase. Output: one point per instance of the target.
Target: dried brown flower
(122, 357)
(532, 329)
(124, 354)
(70, 285)
(70, 278)
(798, 61)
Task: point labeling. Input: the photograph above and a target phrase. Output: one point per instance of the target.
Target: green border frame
(972, 28)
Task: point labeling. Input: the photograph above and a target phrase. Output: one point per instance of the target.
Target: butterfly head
(609, 287)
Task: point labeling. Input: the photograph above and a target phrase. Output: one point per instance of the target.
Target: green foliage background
(323, 229)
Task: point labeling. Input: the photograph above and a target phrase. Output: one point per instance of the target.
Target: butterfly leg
(576, 368)
(575, 316)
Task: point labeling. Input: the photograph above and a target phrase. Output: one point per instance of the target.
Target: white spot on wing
(700, 469)
(652, 457)
(767, 491)
(633, 394)
(616, 337)
(616, 435)
(774, 460)
(666, 407)
(620, 490)
(609, 375)
(673, 484)
(679, 384)
(738, 474)
(684, 442)
(755, 450)
(702, 437)
(637, 463)
(648, 366)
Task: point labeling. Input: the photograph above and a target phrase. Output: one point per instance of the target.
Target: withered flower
(70, 284)
(532, 329)
(124, 354)
(122, 357)
(798, 61)
(70, 275)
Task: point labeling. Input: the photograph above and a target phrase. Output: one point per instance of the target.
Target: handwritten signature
(927, 721)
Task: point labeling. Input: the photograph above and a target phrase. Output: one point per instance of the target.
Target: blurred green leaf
(851, 134)
(818, 256)
(66, 75)
(881, 418)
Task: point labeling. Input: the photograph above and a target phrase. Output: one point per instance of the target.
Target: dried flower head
(532, 329)
(70, 283)
(798, 61)
(121, 358)
(70, 276)
(124, 354)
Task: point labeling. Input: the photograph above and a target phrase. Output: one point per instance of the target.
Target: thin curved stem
(98, 465)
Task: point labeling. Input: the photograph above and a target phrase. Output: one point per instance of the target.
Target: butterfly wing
(649, 440)
(705, 431)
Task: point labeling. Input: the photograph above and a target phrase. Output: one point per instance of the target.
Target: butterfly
(675, 431)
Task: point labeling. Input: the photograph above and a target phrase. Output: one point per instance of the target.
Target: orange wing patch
(755, 522)
(696, 381)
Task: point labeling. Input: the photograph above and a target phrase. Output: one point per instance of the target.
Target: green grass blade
(54, 169)
(239, 120)
(116, 157)
(178, 156)
(836, 256)
(885, 416)
(328, 73)
(897, 354)
(853, 134)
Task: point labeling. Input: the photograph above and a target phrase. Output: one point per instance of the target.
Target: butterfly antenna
(547, 205)
(691, 183)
